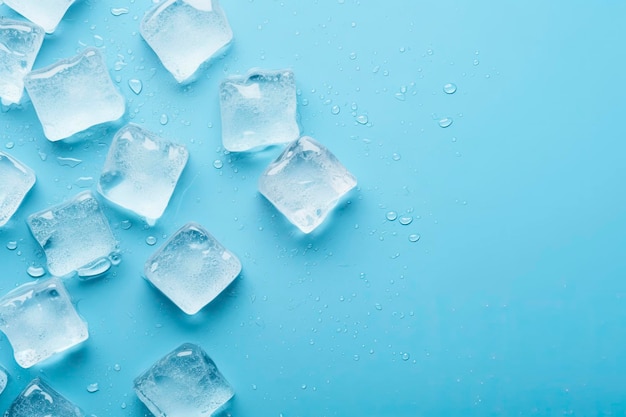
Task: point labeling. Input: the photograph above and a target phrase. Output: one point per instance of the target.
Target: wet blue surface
(512, 301)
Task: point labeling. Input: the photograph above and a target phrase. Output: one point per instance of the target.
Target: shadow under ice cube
(40, 321)
(185, 383)
(305, 183)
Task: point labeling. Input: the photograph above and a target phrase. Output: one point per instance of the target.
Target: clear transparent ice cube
(186, 33)
(73, 235)
(40, 321)
(192, 268)
(39, 399)
(305, 183)
(74, 94)
(19, 45)
(184, 383)
(141, 171)
(45, 13)
(258, 110)
(16, 180)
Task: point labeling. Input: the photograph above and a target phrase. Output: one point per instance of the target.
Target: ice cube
(74, 234)
(16, 179)
(192, 268)
(4, 379)
(19, 45)
(39, 400)
(141, 171)
(185, 383)
(305, 183)
(46, 14)
(185, 33)
(40, 321)
(258, 110)
(74, 94)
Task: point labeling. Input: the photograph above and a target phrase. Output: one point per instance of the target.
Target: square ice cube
(192, 268)
(184, 383)
(46, 14)
(39, 320)
(186, 33)
(19, 45)
(74, 234)
(258, 110)
(16, 180)
(74, 94)
(4, 379)
(305, 183)
(141, 171)
(39, 400)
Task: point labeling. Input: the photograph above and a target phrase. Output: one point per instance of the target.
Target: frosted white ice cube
(186, 33)
(19, 45)
(192, 268)
(45, 13)
(74, 94)
(141, 171)
(40, 321)
(74, 234)
(184, 383)
(258, 110)
(39, 399)
(16, 179)
(305, 183)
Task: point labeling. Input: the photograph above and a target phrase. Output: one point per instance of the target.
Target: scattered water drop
(123, 405)
(151, 240)
(405, 356)
(9, 145)
(361, 119)
(429, 51)
(445, 122)
(84, 182)
(406, 220)
(135, 85)
(356, 357)
(163, 119)
(335, 109)
(352, 55)
(391, 215)
(36, 271)
(115, 258)
(93, 387)
(95, 269)
(378, 307)
(396, 156)
(476, 62)
(98, 40)
(414, 237)
(400, 96)
(303, 386)
(218, 164)
(126, 224)
(12, 245)
(117, 367)
(70, 162)
(43, 156)
(449, 88)
(118, 11)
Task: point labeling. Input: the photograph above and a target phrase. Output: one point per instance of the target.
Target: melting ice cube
(16, 179)
(38, 399)
(45, 13)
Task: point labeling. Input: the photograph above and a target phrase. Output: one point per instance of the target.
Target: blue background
(511, 303)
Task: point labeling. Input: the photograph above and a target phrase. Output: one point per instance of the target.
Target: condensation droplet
(335, 109)
(151, 240)
(36, 271)
(406, 220)
(391, 215)
(118, 11)
(414, 237)
(93, 387)
(135, 85)
(352, 55)
(117, 367)
(12, 245)
(356, 357)
(217, 164)
(361, 119)
(9, 145)
(449, 88)
(445, 122)
(126, 224)
(476, 62)
(163, 119)
(378, 307)
(396, 156)
(405, 356)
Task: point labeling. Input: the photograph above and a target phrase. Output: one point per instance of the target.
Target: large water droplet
(361, 119)
(391, 215)
(36, 271)
(449, 88)
(406, 220)
(93, 387)
(163, 119)
(414, 237)
(12, 245)
(217, 164)
(445, 122)
(70, 162)
(151, 240)
(135, 85)
(95, 269)
(118, 11)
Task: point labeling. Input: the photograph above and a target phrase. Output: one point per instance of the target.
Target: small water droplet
(303, 386)
(98, 40)
(356, 357)
(476, 62)
(135, 85)
(93, 387)
(429, 51)
(151, 240)
(70, 162)
(406, 220)
(445, 122)
(126, 224)
(123, 405)
(449, 88)
(12, 245)
(361, 119)
(378, 307)
(43, 156)
(405, 356)
(254, 387)
(9, 145)
(84, 182)
(396, 156)
(163, 119)
(118, 11)
(217, 164)
(400, 96)
(36, 271)
(335, 109)
(115, 258)
(391, 215)
(352, 55)
(117, 367)
(414, 237)
(95, 269)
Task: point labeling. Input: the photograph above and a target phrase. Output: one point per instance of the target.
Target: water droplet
(126, 224)
(84, 182)
(303, 386)
(95, 269)
(378, 307)
(115, 258)
(400, 96)
(70, 162)
(93, 387)
(151, 240)
(392, 215)
(429, 51)
(117, 367)
(445, 122)
(335, 109)
(406, 220)
(98, 40)
(361, 119)
(123, 405)
(352, 55)
(254, 387)
(163, 119)
(449, 88)
(118, 11)
(135, 85)
(9, 145)
(356, 357)
(476, 62)
(405, 356)
(396, 156)
(218, 164)
(12, 245)
(36, 271)
(43, 156)
(414, 237)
